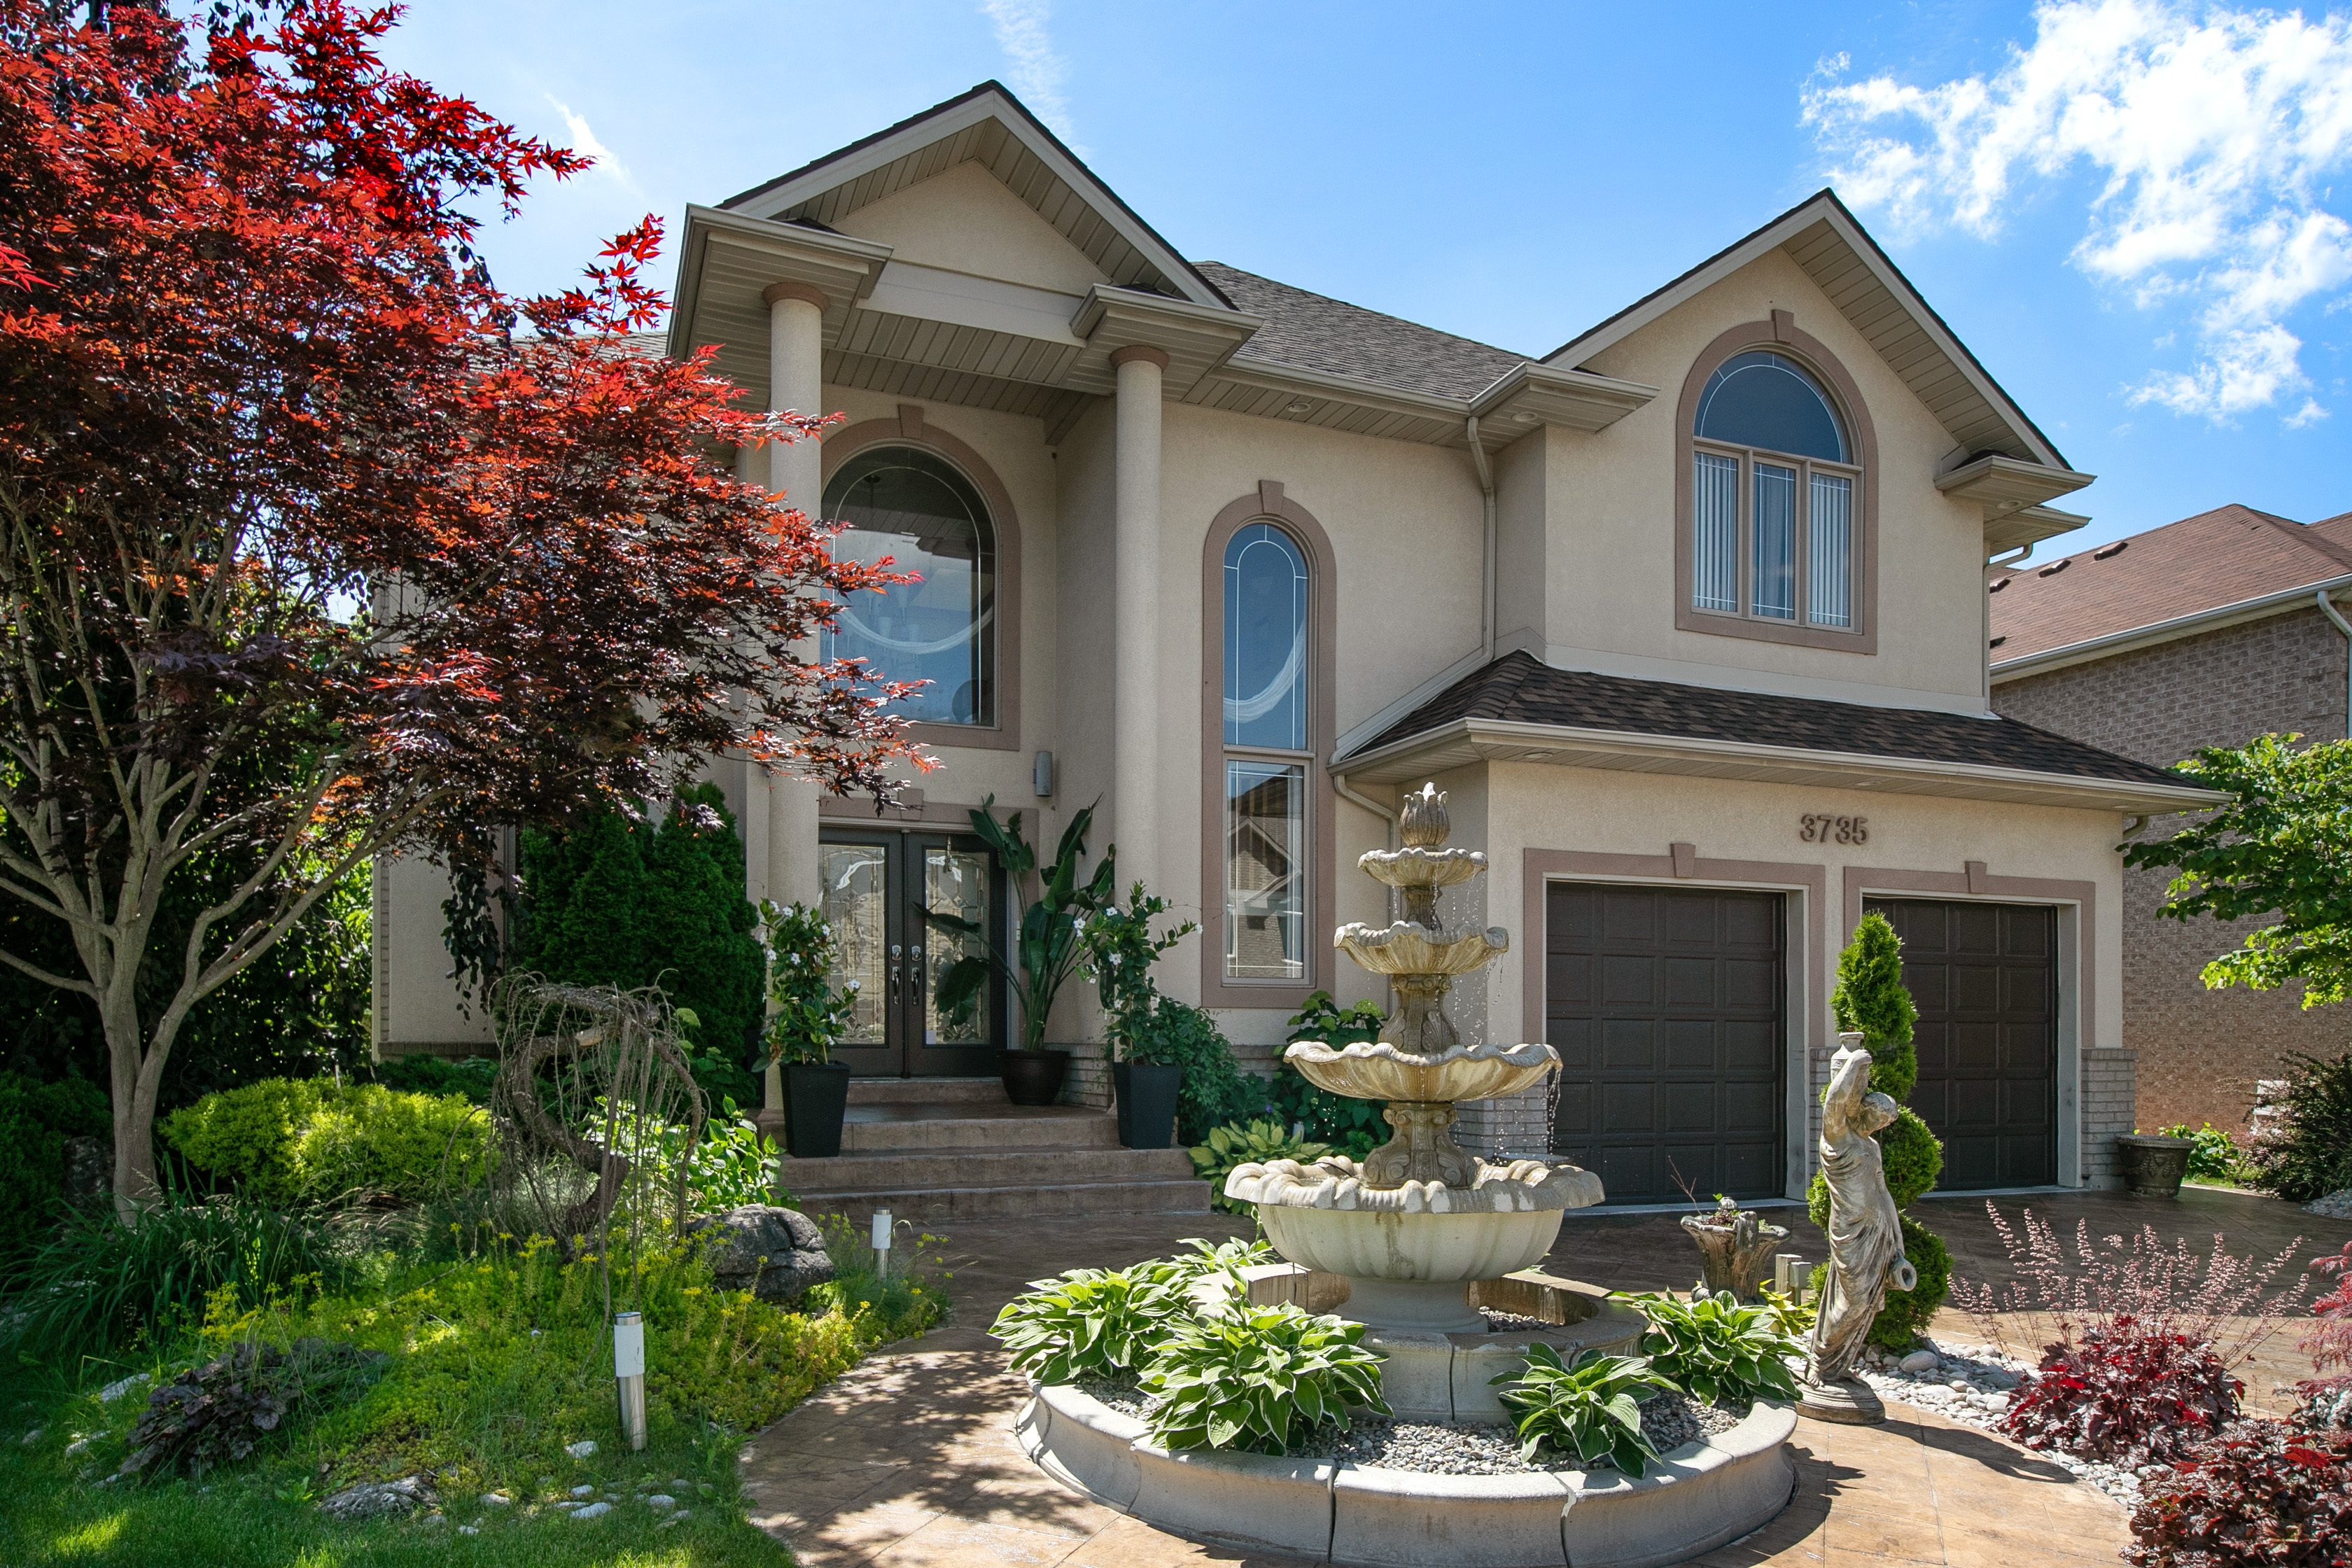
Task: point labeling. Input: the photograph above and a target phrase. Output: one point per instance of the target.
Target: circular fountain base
(1412, 1272)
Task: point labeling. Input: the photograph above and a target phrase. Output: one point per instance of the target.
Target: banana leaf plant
(1049, 944)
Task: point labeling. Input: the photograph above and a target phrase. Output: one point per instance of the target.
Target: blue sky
(2134, 212)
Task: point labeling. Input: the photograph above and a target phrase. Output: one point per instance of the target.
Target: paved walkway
(909, 1461)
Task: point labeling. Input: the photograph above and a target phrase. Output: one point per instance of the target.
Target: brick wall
(1518, 1125)
(2198, 1051)
(2108, 1110)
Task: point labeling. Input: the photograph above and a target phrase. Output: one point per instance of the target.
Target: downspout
(2327, 608)
(1487, 595)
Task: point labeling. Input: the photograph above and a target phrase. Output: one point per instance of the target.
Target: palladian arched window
(1774, 477)
(919, 509)
(1266, 755)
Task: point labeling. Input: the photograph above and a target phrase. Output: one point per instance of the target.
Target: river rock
(373, 1500)
(1919, 1361)
(774, 1253)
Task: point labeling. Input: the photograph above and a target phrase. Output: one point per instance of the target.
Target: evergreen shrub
(2306, 1152)
(35, 1121)
(284, 1141)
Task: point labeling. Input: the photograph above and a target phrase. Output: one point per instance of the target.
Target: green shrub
(1214, 1091)
(1591, 1408)
(1254, 1142)
(246, 1135)
(1718, 1350)
(2306, 1152)
(1905, 1317)
(469, 1076)
(293, 1140)
(805, 1014)
(1354, 1127)
(35, 1121)
(2213, 1155)
(1254, 1377)
(1913, 1158)
(905, 1301)
(1091, 1322)
(1870, 997)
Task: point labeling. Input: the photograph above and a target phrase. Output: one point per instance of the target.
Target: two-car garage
(1669, 1005)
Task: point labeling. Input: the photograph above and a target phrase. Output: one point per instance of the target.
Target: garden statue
(1865, 1236)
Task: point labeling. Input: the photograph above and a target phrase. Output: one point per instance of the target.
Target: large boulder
(774, 1253)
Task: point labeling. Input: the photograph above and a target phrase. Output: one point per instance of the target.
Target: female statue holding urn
(1865, 1236)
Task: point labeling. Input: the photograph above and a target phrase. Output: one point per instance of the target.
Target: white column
(1135, 608)
(796, 381)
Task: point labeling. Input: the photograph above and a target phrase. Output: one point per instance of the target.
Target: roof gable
(1834, 250)
(987, 126)
(964, 221)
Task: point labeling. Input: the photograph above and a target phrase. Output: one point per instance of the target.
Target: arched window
(1774, 476)
(921, 511)
(1267, 756)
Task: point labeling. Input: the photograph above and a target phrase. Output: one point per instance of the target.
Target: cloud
(1036, 70)
(2213, 133)
(583, 141)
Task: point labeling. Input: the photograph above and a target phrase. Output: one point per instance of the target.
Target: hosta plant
(1228, 1257)
(1091, 1322)
(1255, 1378)
(2124, 1389)
(1249, 1143)
(2266, 1494)
(1590, 1407)
(1718, 1349)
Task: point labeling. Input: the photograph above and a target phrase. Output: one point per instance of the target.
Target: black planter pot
(2154, 1165)
(1034, 1077)
(815, 1095)
(1147, 1103)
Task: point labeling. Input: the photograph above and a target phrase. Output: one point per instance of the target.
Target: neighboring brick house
(2205, 632)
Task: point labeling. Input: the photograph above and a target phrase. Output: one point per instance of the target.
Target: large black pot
(1034, 1077)
(1147, 1103)
(815, 1095)
(2154, 1165)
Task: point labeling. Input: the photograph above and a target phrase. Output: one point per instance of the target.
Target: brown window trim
(1781, 333)
(911, 430)
(1268, 504)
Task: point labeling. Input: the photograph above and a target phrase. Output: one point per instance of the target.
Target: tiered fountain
(1413, 1242)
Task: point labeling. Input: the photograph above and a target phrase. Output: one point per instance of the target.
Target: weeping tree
(306, 554)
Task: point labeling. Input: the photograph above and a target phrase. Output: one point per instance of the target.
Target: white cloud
(1036, 70)
(583, 141)
(2213, 131)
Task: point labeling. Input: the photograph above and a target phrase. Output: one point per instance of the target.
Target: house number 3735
(1811, 829)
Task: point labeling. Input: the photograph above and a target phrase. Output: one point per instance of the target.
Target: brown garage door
(1665, 1006)
(1985, 977)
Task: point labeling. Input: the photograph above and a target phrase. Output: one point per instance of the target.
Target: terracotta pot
(815, 1095)
(2154, 1165)
(1146, 1093)
(1034, 1077)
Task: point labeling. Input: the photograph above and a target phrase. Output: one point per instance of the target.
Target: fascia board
(1347, 389)
(1575, 399)
(2002, 485)
(2028, 525)
(1104, 300)
(990, 104)
(1820, 208)
(2156, 632)
(1838, 769)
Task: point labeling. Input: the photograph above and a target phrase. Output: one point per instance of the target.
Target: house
(1687, 617)
(2205, 632)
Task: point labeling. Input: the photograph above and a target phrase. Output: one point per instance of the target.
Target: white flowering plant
(805, 1013)
(1119, 951)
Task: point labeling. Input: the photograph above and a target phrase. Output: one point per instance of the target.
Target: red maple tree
(252, 374)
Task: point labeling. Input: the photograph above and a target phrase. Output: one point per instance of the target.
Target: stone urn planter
(1734, 1247)
(815, 1096)
(1034, 1077)
(1146, 1096)
(2154, 1165)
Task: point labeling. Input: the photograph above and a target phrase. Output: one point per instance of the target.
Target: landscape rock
(593, 1510)
(374, 1500)
(583, 1449)
(661, 1500)
(116, 1390)
(2334, 1205)
(1919, 1361)
(774, 1253)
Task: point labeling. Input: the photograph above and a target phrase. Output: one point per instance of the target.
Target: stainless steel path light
(629, 1371)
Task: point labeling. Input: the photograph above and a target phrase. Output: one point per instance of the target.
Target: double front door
(881, 889)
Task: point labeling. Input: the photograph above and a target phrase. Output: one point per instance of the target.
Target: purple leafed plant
(2125, 1391)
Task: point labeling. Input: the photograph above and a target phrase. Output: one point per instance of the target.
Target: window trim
(1781, 335)
(910, 428)
(1268, 504)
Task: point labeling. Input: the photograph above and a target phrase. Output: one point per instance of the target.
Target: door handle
(914, 974)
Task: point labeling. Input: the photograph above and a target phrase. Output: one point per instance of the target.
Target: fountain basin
(1379, 1070)
(1408, 1271)
(1406, 949)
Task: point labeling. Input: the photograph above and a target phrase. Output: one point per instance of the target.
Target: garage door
(1985, 978)
(1665, 1006)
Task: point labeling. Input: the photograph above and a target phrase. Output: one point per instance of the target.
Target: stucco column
(796, 381)
(1135, 609)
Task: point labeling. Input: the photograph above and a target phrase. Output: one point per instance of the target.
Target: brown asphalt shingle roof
(1520, 689)
(1312, 332)
(2204, 563)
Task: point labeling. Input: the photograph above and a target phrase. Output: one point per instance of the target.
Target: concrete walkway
(909, 1461)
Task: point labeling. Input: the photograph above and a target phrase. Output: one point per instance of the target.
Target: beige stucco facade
(1016, 376)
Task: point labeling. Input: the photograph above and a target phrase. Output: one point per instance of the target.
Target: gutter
(2327, 608)
(1486, 585)
(2164, 631)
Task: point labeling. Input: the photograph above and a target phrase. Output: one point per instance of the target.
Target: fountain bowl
(1379, 1070)
(1408, 948)
(1408, 1271)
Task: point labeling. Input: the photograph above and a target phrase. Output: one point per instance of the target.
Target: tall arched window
(919, 509)
(1773, 483)
(1266, 755)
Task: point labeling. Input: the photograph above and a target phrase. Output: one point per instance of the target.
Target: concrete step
(932, 1205)
(933, 1128)
(927, 1091)
(1001, 1165)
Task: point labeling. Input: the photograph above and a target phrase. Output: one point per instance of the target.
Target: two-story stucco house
(1687, 617)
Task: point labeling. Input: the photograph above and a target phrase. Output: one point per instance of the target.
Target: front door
(878, 887)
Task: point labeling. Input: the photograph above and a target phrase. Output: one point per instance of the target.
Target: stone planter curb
(1085, 1445)
(1240, 1500)
(1704, 1495)
(1400, 1518)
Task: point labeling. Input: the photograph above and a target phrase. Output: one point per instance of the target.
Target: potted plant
(1146, 1072)
(1735, 1248)
(806, 1015)
(2153, 1163)
(1046, 949)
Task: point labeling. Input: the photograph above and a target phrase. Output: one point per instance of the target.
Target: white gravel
(2334, 1205)
(1971, 1386)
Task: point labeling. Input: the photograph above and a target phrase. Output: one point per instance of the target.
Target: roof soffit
(1825, 240)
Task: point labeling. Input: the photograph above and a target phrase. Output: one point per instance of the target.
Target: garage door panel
(1572, 1115)
(1569, 981)
(1984, 977)
(1688, 1017)
(1572, 1038)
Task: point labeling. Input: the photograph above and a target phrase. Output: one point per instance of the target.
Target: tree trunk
(136, 1072)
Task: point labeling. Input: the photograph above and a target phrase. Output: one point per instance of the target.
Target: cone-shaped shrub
(1870, 997)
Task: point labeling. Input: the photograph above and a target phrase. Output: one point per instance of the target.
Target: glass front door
(879, 889)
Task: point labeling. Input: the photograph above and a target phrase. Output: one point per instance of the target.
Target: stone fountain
(1420, 1219)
